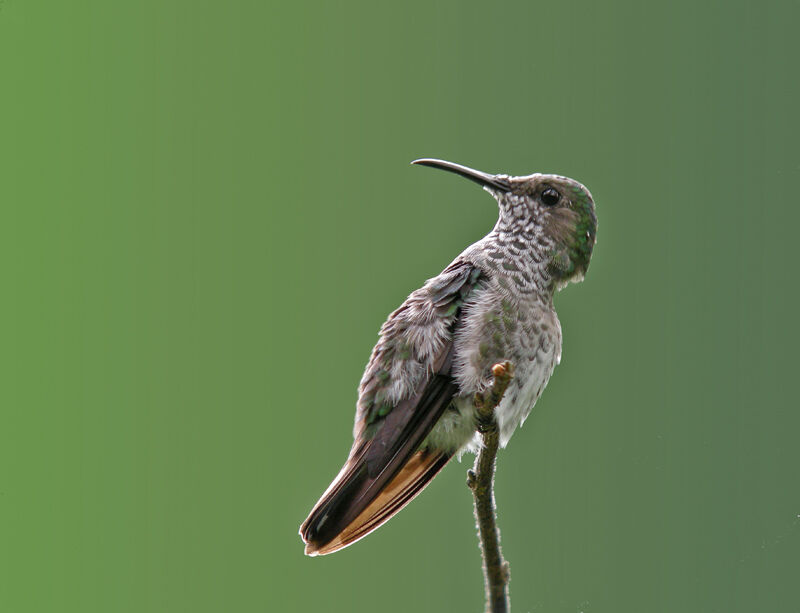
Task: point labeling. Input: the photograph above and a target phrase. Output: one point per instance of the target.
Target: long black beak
(495, 182)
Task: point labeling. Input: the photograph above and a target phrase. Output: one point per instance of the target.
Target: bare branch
(480, 480)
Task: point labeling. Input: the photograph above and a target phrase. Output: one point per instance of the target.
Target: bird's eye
(550, 197)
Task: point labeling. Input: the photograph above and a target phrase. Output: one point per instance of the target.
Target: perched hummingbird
(493, 303)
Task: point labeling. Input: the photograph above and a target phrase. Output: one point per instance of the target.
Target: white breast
(530, 379)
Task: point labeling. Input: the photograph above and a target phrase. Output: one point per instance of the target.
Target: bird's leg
(480, 480)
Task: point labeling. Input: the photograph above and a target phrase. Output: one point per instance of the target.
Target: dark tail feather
(383, 473)
(351, 507)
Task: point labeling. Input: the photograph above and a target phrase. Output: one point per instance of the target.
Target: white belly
(531, 377)
(530, 339)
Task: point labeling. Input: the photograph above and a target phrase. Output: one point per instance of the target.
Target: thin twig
(480, 479)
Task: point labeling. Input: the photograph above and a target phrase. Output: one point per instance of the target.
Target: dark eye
(550, 197)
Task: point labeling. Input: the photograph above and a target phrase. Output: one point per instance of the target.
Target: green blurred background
(207, 212)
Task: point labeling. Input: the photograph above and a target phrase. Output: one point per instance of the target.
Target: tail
(356, 503)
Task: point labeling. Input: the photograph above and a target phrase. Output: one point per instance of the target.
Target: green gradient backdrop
(207, 211)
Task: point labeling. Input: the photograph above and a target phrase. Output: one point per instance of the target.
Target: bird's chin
(575, 277)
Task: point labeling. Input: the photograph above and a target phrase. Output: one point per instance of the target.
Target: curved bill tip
(484, 179)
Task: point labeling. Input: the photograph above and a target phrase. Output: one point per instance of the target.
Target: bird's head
(555, 215)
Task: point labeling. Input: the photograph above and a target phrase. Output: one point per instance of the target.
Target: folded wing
(407, 386)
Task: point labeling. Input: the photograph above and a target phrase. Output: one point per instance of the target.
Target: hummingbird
(493, 303)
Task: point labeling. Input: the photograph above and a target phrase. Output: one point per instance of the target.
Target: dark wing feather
(379, 477)
(423, 466)
(410, 421)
